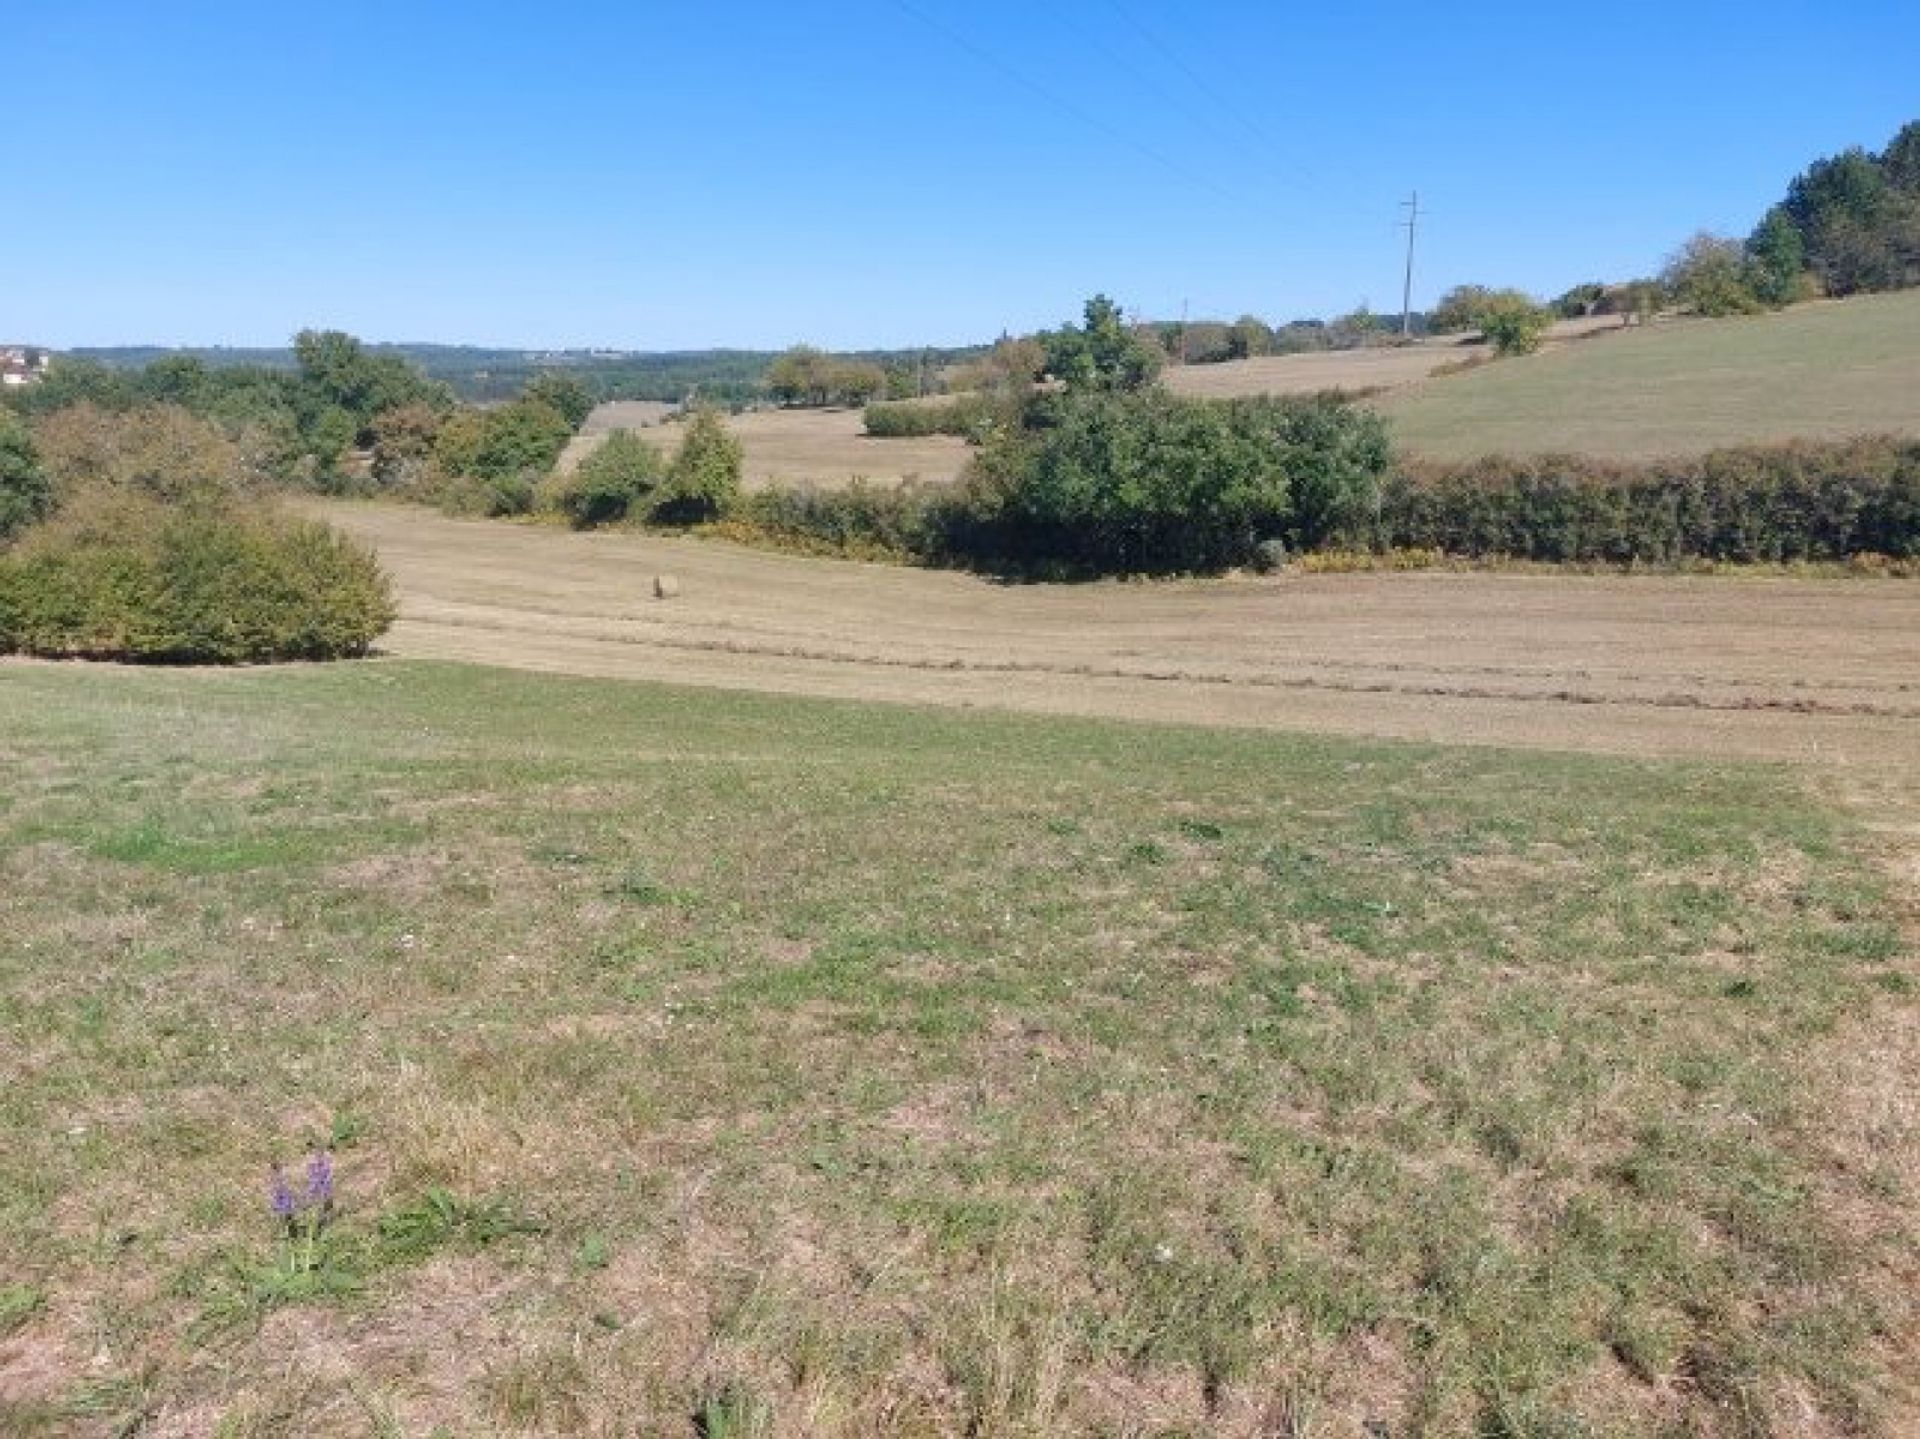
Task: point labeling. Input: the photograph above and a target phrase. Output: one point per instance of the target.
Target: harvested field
(803, 447)
(1765, 668)
(1385, 368)
(611, 416)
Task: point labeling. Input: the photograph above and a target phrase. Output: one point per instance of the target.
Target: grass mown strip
(697, 1062)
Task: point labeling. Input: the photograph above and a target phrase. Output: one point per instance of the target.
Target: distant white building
(22, 364)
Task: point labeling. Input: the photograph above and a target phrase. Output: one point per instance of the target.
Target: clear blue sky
(881, 172)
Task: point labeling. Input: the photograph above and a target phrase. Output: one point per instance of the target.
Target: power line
(1066, 107)
(1145, 77)
(1275, 151)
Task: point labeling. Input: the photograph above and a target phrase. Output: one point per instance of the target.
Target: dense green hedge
(115, 576)
(1132, 505)
(1146, 482)
(1785, 502)
(971, 417)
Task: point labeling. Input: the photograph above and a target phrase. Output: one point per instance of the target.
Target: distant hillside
(478, 373)
(1823, 370)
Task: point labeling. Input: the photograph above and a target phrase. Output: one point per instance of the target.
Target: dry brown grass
(826, 448)
(1821, 670)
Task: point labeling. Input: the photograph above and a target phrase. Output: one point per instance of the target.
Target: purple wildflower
(320, 1179)
(280, 1194)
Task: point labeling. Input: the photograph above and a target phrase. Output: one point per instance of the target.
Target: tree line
(1848, 224)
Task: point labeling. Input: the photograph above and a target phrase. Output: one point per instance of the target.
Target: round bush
(118, 577)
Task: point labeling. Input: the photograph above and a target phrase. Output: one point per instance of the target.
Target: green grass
(1825, 371)
(704, 1063)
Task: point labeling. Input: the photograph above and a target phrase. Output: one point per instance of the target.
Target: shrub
(25, 493)
(1774, 503)
(509, 441)
(1147, 483)
(971, 417)
(471, 496)
(616, 480)
(565, 394)
(705, 475)
(403, 442)
(1711, 275)
(1102, 354)
(859, 521)
(119, 576)
(160, 450)
(1512, 323)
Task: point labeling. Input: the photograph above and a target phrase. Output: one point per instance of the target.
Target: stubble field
(1782, 668)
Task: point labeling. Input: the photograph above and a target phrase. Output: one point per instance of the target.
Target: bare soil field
(1788, 669)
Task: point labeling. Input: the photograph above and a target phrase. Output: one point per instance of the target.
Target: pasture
(716, 1061)
(1825, 370)
(701, 1062)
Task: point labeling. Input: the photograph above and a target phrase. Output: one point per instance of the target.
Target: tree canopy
(1102, 355)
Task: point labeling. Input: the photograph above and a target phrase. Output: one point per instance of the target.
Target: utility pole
(1183, 332)
(1412, 207)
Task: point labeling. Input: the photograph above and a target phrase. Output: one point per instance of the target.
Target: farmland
(1774, 668)
(1818, 371)
(852, 999)
(707, 1062)
(1823, 370)
(826, 448)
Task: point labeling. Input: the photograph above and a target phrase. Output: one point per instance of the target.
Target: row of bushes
(1110, 483)
(861, 521)
(627, 478)
(1094, 495)
(971, 417)
(119, 575)
(1773, 503)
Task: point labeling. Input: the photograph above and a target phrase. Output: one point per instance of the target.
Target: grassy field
(1821, 370)
(719, 1064)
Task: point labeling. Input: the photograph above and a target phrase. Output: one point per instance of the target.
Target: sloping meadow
(692, 1062)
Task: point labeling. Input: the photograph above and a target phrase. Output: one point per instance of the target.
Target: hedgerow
(857, 521)
(1801, 501)
(971, 417)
